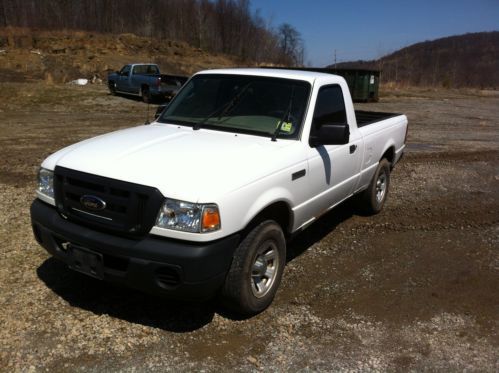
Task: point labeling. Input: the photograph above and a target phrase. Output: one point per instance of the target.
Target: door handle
(353, 148)
(298, 174)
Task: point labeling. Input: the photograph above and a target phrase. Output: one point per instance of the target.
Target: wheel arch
(111, 84)
(279, 211)
(389, 155)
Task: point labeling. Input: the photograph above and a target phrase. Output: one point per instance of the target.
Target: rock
(252, 360)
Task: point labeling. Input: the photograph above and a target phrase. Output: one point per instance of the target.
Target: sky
(370, 29)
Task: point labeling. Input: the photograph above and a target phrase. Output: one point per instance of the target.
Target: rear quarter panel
(378, 138)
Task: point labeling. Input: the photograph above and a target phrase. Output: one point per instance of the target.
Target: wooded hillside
(470, 60)
(219, 26)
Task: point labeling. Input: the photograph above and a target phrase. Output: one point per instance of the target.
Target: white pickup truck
(201, 202)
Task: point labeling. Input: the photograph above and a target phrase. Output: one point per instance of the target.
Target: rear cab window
(145, 69)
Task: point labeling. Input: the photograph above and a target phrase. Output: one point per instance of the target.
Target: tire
(374, 197)
(146, 95)
(256, 270)
(112, 87)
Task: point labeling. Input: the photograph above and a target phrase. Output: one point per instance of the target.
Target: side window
(329, 107)
(139, 69)
(151, 69)
(125, 70)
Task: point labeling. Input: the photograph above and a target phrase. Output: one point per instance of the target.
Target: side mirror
(126, 73)
(330, 134)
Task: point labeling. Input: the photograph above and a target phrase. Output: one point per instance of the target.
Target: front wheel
(256, 270)
(112, 87)
(374, 197)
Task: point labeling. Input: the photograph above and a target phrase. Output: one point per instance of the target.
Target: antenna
(147, 115)
(150, 61)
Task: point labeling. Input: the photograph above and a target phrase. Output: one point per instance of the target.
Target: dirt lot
(413, 288)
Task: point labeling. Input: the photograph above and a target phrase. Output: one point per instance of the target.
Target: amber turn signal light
(211, 219)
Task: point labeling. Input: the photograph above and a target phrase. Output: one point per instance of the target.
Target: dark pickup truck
(144, 80)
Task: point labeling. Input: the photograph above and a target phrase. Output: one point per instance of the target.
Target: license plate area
(86, 261)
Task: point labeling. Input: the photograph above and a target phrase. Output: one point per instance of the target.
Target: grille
(130, 208)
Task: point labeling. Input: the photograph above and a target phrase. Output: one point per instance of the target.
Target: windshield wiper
(286, 115)
(224, 109)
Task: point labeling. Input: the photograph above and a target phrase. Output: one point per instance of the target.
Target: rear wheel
(374, 197)
(146, 95)
(256, 270)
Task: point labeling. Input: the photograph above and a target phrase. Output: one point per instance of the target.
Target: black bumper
(180, 269)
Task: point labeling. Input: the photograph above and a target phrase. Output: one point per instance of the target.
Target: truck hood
(182, 163)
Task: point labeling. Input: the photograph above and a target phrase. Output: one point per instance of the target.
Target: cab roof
(309, 76)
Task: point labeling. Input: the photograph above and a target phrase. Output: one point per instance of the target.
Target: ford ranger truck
(201, 202)
(144, 80)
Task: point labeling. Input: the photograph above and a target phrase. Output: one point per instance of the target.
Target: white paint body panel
(241, 173)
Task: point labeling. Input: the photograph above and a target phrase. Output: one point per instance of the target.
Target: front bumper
(161, 266)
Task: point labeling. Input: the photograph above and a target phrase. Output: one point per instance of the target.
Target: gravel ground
(413, 288)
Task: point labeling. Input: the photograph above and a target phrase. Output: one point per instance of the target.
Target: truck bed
(365, 118)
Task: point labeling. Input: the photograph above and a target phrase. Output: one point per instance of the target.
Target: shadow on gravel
(321, 228)
(127, 304)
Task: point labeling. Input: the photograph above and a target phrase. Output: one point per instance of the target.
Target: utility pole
(396, 69)
(335, 58)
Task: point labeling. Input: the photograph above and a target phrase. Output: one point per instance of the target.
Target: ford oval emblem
(92, 202)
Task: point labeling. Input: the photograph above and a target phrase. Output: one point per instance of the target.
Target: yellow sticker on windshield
(286, 126)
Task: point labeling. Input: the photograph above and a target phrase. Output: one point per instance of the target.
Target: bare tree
(291, 45)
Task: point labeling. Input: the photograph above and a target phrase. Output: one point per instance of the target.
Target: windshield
(240, 103)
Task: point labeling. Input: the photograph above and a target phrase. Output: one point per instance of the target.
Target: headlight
(188, 217)
(46, 182)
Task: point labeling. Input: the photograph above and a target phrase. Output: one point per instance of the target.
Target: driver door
(123, 83)
(334, 169)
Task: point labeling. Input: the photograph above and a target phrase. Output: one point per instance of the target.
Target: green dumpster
(363, 83)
